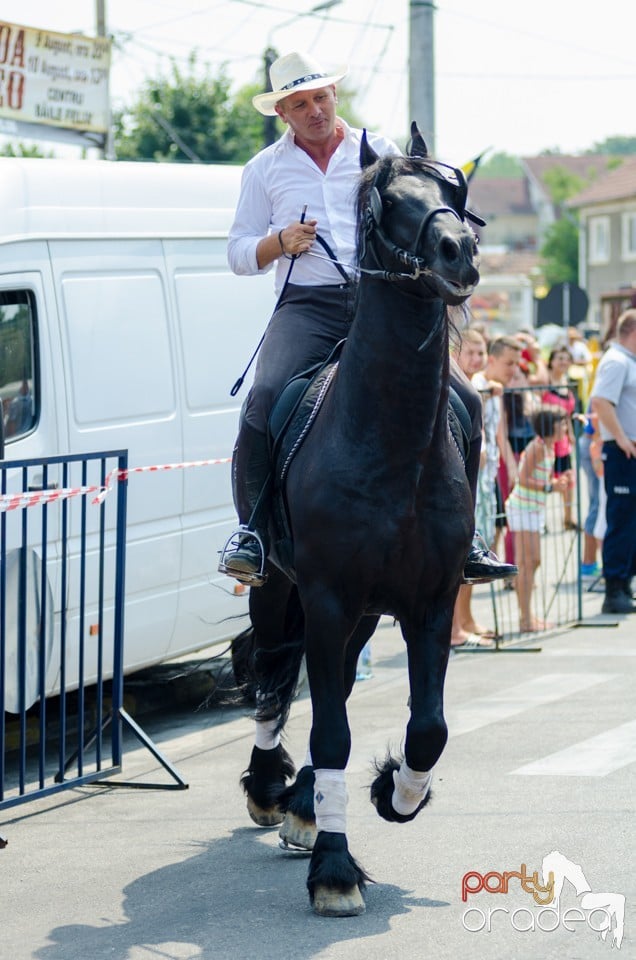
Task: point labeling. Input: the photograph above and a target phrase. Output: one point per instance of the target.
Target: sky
(512, 78)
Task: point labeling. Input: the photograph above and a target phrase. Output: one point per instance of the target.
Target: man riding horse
(313, 167)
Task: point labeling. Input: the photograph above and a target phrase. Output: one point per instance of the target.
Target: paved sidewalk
(135, 874)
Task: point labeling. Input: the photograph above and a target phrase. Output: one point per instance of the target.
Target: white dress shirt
(277, 183)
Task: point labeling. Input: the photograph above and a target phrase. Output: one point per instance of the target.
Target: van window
(18, 380)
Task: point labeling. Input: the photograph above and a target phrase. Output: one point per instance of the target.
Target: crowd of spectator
(535, 401)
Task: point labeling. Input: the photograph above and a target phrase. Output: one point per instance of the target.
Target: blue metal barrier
(62, 592)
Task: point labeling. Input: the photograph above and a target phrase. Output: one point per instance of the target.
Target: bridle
(375, 238)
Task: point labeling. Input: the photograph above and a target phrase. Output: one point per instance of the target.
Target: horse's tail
(274, 668)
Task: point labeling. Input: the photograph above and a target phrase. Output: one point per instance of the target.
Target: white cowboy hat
(290, 74)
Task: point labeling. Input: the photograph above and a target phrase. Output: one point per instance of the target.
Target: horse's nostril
(449, 249)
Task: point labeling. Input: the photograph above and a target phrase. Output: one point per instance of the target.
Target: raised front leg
(402, 787)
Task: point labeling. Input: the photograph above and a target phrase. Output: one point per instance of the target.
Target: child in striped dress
(525, 507)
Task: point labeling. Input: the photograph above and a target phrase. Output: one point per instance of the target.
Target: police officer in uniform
(614, 400)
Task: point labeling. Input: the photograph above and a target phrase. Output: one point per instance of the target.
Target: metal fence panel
(62, 559)
(557, 590)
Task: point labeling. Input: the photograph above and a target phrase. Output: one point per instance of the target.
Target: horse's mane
(378, 175)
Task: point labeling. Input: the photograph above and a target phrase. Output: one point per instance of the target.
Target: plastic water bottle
(364, 671)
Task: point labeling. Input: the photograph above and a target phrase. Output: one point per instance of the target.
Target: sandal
(475, 640)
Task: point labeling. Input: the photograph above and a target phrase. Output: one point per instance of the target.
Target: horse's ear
(367, 153)
(462, 197)
(462, 188)
(417, 146)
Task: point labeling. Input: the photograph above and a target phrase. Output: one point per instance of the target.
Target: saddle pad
(301, 420)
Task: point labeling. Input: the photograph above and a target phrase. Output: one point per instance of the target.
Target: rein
(373, 231)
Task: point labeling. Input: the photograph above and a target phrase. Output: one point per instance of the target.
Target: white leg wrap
(410, 789)
(330, 801)
(266, 738)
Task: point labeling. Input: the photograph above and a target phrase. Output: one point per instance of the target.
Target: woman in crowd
(559, 393)
(525, 507)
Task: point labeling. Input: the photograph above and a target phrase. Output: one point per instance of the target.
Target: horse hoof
(264, 818)
(297, 833)
(292, 850)
(338, 903)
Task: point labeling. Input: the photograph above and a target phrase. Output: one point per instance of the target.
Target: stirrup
(232, 544)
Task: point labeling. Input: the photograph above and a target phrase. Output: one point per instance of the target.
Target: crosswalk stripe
(595, 757)
(511, 701)
(599, 652)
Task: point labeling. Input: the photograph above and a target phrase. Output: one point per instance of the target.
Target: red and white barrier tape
(33, 498)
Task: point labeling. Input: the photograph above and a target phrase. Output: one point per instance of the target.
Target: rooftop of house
(500, 196)
(588, 167)
(507, 262)
(616, 184)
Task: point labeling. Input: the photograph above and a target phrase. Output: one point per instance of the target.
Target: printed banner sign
(57, 79)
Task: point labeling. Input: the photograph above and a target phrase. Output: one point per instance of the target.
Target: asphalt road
(541, 758)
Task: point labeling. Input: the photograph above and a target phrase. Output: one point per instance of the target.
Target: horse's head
(412, 225)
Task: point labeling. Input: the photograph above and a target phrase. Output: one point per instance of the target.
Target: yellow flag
(470, 168)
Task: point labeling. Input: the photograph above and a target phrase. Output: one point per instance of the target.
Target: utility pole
(100, 18)
(269, 123)
(422, 70)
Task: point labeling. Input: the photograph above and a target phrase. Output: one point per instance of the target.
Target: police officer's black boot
(616, 599)
(245, 552)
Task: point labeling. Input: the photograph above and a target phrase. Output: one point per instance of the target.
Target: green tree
(188, 116)
(20, 149)
(560, 249)
(560, 252)
(562, 184)
(500, 165)
(617, 146)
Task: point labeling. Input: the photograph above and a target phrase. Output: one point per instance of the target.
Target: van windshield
(18, 385)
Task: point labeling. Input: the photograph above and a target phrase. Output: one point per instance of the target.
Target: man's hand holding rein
(291, 241)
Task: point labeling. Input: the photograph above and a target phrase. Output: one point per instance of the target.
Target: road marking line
(599, 652)
(514, 700)
(595, 757)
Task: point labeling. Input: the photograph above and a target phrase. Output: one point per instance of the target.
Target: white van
(121, 327)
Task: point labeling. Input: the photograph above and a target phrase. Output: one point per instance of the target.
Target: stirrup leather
(232, 544)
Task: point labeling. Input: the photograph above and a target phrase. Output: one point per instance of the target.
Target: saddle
(290, 421)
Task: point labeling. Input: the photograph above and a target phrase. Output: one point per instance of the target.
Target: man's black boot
(245, 552)
(616, 598)
(483, 566)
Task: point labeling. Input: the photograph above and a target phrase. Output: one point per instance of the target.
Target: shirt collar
(621, 349)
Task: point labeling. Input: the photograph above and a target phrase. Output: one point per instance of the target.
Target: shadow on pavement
(235, 898)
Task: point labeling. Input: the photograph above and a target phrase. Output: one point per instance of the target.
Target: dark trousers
(619, 543)
(472, 401)
(306, 326)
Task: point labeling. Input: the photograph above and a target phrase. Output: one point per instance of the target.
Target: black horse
(382, 519)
